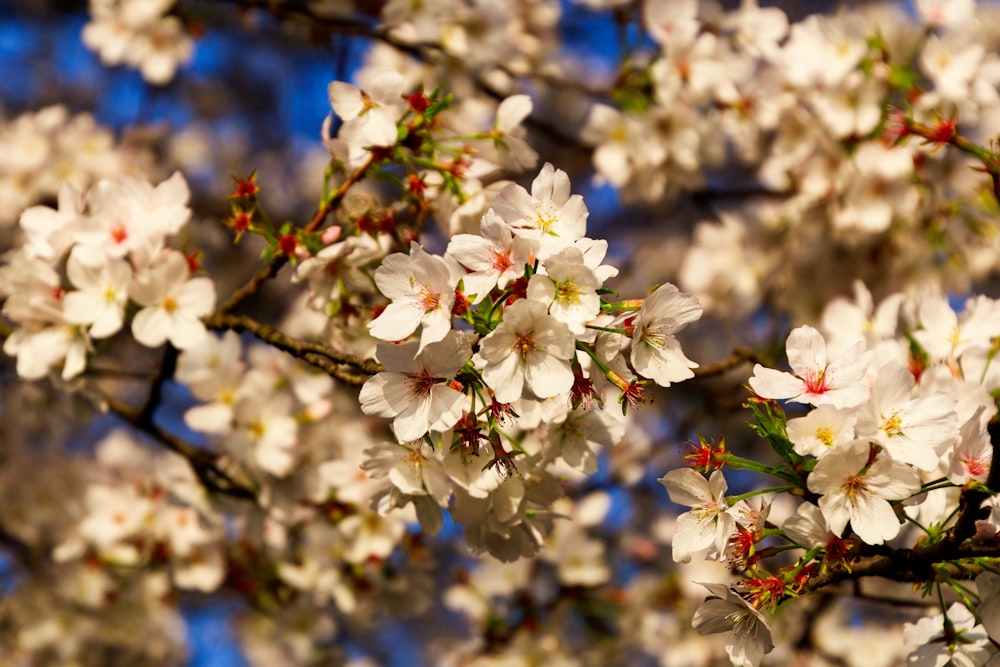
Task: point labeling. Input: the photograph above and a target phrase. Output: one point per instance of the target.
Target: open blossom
(549, 213)
(962, 642)
(856, 489)
(494, 259)
(422, 294)
(711, 520)
(749, 633)
(569, 289)
(815, 378)
(912, 430)
(174, 303)
(100, 297)
(529, 350)
(415, 389)
(369, 113)
(820, 430)
(656, 354)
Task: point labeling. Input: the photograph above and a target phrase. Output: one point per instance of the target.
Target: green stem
(732, 500)
(741, 463)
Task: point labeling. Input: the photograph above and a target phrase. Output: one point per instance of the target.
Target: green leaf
(771, 426)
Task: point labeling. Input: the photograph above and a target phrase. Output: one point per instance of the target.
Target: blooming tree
(404, 389)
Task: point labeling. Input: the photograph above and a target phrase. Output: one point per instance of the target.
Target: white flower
(508, 134)
(415, 470)
(749, 633)
(963, 643)
(174, 303)
(414, 390)
(422, 293)
(815, 379)
(100, 297)
(267, 432)
(821, 429)
(857, 489)
(369, 115)
(656, 354)
(568, 288)
(549, 214)
(912, 430)
(711, 520)
(988, 584)
(494, 259)
(530, 350)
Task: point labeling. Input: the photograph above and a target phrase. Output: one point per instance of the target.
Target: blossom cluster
(420, 403)
(48, 147)
(141, 34)
(900, 397)
(84, 262)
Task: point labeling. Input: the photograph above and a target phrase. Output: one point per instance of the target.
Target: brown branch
(739, 356)
(319, 355)
(203, 463)
(922, 564)
(279, 261)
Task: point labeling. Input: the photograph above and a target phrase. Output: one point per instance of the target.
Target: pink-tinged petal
(151, 326)
(687, 487)
(836, 511)
(412, 422)
(398, 358)
(873, 519)
(197, 297)
(892, 480)
(806, 350)
(437, 483)
(187, 332)
(549, 377)
(514, 205)
(511, 111)
(505, 378)
(381, 394)
(692, 535)
(447, 407)
(345, 99)
(396, 322)
(771, 383)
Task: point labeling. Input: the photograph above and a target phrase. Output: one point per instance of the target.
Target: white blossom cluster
(83, 263)
(432, 421)
(51, 146)
(901, 394)
(141, 34)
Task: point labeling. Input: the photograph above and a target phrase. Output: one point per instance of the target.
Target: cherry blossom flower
(815, 379)
(493, 259)
(914, 430)
(509, 134)
(369, 113)
(549, 214)
(100, 297)
(174, 303)
(749, 633)
(415, 389)
(711, 520)
(820, 430)
(857, 489)
(656, 353)
(961, 642)
(422, 292)
(568, 289)
(530, 350)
